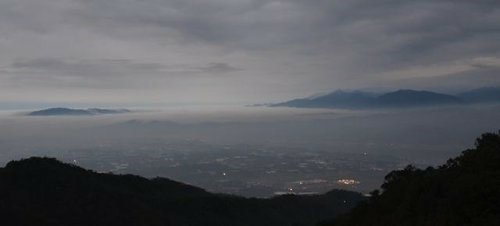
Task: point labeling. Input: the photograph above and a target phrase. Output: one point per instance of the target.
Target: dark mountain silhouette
(413, 98)
(365, 100)
(464, 191)
(75, 112)
(44, 191)
(337, 99)
(481, 95)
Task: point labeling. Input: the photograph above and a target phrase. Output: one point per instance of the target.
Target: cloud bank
(215, 51)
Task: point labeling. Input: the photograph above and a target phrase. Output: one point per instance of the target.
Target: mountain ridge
(402, 98)
(481, 95)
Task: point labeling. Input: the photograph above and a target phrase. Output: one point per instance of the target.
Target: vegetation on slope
(464, 191)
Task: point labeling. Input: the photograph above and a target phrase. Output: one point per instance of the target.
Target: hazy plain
(133, 142)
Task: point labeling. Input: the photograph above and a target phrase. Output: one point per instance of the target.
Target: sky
(241, 51)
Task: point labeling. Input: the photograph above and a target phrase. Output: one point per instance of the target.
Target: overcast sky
(241, 51)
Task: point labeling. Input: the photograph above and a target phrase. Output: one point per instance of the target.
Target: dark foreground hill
(44, 191)
(465, 191)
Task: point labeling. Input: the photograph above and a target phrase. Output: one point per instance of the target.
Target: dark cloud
(312, 45)
(106, 73)
(455, 82)
(218, 68)
(96, 73)
(383, 34)
(85, 67)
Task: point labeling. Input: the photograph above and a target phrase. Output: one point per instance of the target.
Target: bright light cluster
(347, 181)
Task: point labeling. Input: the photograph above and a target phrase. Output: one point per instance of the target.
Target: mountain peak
(37, 163)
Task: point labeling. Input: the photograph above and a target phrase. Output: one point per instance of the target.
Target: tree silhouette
(464, 191)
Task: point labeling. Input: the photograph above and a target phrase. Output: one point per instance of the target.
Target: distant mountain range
(398, 99)
(76, 112)
(482, 95)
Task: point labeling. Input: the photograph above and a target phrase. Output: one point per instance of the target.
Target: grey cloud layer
(286, 47)
(106, 73)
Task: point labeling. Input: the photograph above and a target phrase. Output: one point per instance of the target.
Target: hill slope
(414, 98)
(337, 99)
(464, 191)
(482, 95)
(44, 191)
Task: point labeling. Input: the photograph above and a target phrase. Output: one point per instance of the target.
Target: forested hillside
(464, 191)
